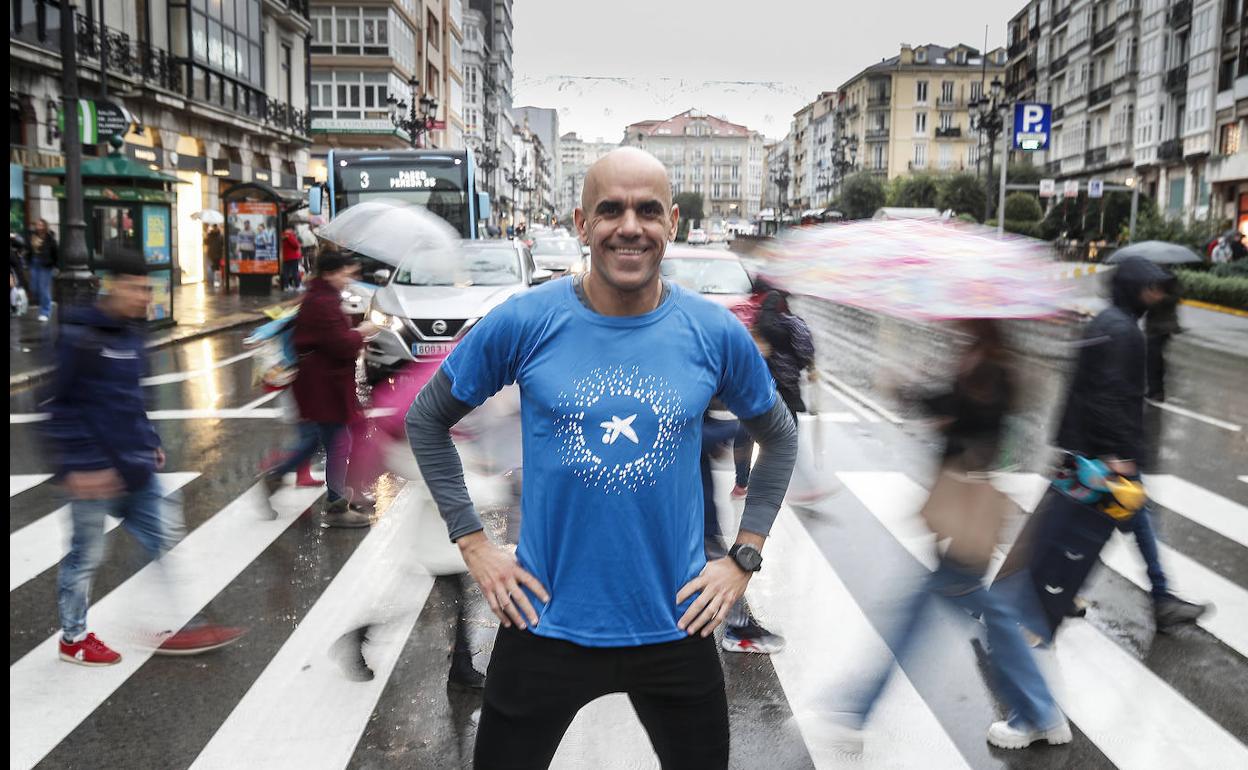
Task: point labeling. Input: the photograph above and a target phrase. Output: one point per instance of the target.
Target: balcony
(1059, 113)
(1061, 17)
(878, 101)
(1100, 95)
(876, 134)
(1017, 47)
(1058, 64)
(1176, 79)
(1034, 34)
(951, 104)
(953, 132)
(1180, 14)
(1095, 156)
(1104, 37)
(1171, 149)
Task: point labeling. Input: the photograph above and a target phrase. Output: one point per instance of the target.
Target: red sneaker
(89, 652)
(738, 492)
(200, 639)
(305, 478)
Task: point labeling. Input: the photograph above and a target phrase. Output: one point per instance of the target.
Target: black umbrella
(1159, 252)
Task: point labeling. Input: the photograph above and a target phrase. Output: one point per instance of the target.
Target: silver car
(559, 255)
(425, 309)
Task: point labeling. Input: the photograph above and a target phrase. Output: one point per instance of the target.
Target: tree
(917, 191)
(1022, 173)
(691, 208)
(861, 195)
(1022, 207)
(963, 194)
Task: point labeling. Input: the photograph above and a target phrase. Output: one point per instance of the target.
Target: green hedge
(1230, 291)
(1238, 268)
(1020, 227)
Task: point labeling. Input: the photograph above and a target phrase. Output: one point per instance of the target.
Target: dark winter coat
(327, 347)
(1104, 411)
(98, 413)
(43, 251)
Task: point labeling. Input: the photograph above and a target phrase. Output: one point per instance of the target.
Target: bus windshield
(437, 183)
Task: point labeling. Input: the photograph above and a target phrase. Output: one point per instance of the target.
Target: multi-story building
(544, 122)
(533, 176)
(802, 165)
(1151, 92)
(575, 158)
(704, 154)
(910, 112)
(367, 53)
(217, 92)
(498, 128)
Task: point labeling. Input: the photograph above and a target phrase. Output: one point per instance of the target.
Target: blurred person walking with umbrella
(324, 386)
(214, 251)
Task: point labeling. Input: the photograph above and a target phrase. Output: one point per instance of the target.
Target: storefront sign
(156, 235)
(119, 194)
(353, 126)
(192, 163)
(253, 237)
(226, 168)
(98, 120)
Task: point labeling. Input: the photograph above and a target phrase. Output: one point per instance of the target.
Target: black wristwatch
(746, 556)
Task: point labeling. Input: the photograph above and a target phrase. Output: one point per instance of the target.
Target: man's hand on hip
(722, 583)
(500, 577)
(94, 485)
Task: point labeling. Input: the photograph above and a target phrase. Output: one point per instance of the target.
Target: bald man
(609, 589)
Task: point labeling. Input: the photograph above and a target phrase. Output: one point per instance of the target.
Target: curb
(18, 381)
(1215, 308)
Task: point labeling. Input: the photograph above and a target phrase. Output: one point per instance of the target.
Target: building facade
(1148, 92)
(497, 126)
(218, 94)
(704, 154)
(544, 122)
(910, 113)
(575, 158)
(367, 56)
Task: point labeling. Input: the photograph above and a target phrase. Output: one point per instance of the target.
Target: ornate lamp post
(781, 178)
(416, 119)
(988, 119)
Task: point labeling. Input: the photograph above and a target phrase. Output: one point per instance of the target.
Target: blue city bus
(444, 181)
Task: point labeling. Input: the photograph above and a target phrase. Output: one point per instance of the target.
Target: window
(354, 31)
(920, 156)
(946, 121)
(434, 30)
(977, 89)
(920, 95)
(286, 86)
(878, 161)
(348, 94)
(946, 91)
(230, 42)
(1228, 139)
(920, 123)
(946, 156)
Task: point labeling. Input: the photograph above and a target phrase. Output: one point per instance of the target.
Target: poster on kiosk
(253, 226)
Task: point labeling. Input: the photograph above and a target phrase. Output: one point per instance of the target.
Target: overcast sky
(604, 64)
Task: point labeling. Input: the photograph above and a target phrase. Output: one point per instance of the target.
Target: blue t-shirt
(611, 411)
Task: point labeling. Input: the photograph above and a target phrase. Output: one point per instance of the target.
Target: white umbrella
(209, 217)
(394, 232)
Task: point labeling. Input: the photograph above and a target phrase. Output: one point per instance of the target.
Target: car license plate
(432, 348)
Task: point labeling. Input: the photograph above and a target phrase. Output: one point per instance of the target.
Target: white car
(697, 236)
(559, 255)
(425, 309)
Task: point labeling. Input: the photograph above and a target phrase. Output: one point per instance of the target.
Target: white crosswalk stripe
(21, 482)
(1133, 716)
(45, 541)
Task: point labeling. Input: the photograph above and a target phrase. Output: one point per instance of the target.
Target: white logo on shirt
(615, 427)
(120, 355)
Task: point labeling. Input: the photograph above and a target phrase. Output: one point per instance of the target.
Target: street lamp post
(75, 283)
(780, 178)
(988, 119)
(416, 119)
(844, 159)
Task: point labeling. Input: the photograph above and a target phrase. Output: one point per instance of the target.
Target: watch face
(749, 558)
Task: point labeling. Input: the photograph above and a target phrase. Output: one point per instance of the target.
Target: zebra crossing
(829, 573)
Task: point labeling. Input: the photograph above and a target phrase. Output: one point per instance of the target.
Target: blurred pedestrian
(1161, 322)
(43, 261)
(324, 387)
(967, 512)
(214, 249)
(789, 349)
(291, 253)
(107, 453)
(1101, 433)
(615, 368)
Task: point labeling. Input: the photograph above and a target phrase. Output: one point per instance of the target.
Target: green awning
(113, 167)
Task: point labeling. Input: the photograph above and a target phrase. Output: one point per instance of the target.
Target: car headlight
(391, 322)
(348, 296)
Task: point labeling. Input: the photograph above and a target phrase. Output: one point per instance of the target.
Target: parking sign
(1032, 121)
(1096, 188)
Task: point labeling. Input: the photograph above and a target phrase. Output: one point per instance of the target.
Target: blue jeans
(41, 285)
(1017, 677)
(337, 442)
(143, 517)
(1146, 541)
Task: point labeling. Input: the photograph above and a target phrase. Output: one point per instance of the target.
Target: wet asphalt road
(168, 711)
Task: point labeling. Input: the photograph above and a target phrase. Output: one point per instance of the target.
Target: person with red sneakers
(107, 454)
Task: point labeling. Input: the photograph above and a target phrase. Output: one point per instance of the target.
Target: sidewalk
(199, 312)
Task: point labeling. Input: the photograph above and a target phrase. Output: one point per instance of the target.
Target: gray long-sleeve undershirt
(436, 410)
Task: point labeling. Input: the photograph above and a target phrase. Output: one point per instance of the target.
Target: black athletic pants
(535, 686)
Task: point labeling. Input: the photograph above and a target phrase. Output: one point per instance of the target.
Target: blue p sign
(1032, 123)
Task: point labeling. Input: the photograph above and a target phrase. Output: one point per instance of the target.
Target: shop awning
(113, 167)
